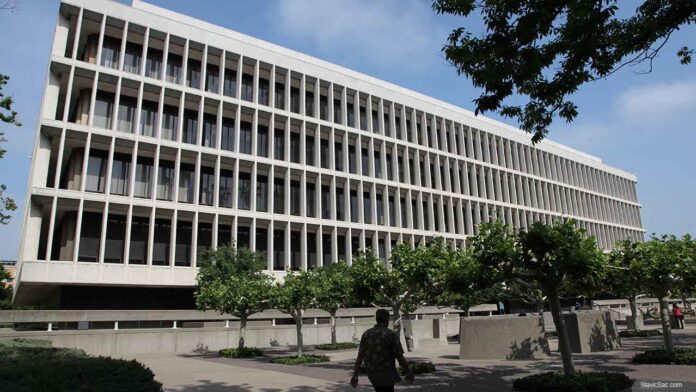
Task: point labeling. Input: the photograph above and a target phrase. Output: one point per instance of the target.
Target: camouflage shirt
(380, 346)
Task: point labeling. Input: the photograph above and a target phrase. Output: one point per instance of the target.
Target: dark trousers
(389, 388)
(680, 322)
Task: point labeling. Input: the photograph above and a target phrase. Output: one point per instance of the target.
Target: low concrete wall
(136, 341)
(426, 333)
(638, 323)
(502, 337)
(591, 331)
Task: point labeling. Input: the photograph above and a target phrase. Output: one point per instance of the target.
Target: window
(279, 144)
(245, 138)
(261, 193)
(143, 176)
(354, 206)
(174, 68)
(397, 124)
(226, 189)
(187, 182)
(264, 92)
(387, 124)
(182, 255)
(363, 118)
(337, 111)
(338, 156)
(309, 103)
(262, 141)
(324, 153)
(324, 107)
(278, 248)
(212, 78)
(140, 231)
(340, 203)
(351, 160)
(148, 118)
(309, 150)
(165, 181)
(390, 170)
(110, 52)
(350, 112)
(367, 207)
(278, 195)
(131, 59)
(193, 73)
(295, 197)
(209, 125)
(295, 99)
(365, 163)
(325, 202)
(90, 236)
(244, 192)
(378, 164)
(295, 147)
(170, 122)
(207, 186)
(227, 141)
(96, 171)
(120, 173)
(126, 114)
(103, 110)
(279, 95)
(229, 84)
(380, 209)
(375, 122)
(160, 249)
(311, 208)
(153, 65)
(190, 127)
(247, 87)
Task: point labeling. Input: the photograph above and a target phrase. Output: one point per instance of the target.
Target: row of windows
(152, 235)
(216, 71)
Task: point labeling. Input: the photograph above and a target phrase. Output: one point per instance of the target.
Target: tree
(232, 281)
(333, 289)
(409, 281)
(544, 257)
(546, 50)
(668, 261)
(465, 283)
(626, 274)
(685, 285)
(7, 116)
(294, 296)
(5, 290)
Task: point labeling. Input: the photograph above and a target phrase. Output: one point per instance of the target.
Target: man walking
(379, 348)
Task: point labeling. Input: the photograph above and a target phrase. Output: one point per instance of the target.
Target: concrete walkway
(205, 372)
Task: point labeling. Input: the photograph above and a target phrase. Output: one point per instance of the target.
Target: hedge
(34, 366)
(295, 360)
(640, 334)
(244, 352)
(581, 382)
(681, 356)
(337, 346)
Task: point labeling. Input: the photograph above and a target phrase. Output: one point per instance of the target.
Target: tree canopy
(545, 51)
(7, 116)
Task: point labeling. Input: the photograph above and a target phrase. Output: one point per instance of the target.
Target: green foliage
(681, 356)
(547, 50)
(5, 289)
(465, 283)
(31, 365)
(243, 352)
(232, 281)
(626, 274)
(300, 360)
(337, 346)
(640, 334)
(581, 382)
(7, 116)
(296, 293)
(333, 287)
(418, 367)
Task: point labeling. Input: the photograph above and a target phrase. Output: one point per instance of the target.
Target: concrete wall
(502, 337)
(115, 342)
(591, 331)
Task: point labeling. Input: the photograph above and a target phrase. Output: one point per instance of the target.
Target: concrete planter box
(591, 331)
(502, 337)
(639, 323)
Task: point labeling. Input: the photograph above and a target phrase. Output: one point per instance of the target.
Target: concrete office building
(161, 136)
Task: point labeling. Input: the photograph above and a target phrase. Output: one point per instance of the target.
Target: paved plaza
(206, 372)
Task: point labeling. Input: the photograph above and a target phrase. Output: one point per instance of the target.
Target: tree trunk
(634, 312)
(666, 327)
(685, 303)
(563, 343)
(333, 327)
(242, 331)
(396, 309)
(298, 327)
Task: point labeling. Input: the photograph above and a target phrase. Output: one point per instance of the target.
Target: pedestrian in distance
(678, 316)
(379, 349)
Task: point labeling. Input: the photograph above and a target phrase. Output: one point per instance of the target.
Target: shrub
(295, 360)
(640, 334)
(681, 356)
(418, 367)
(581, 382)
(337, 346)
(33, 366)
(244, 352)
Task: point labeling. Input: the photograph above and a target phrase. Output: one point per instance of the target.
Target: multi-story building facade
(161, 136)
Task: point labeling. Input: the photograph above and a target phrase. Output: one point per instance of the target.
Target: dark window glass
(262, 141)
(309, 103)
(311, 193)
(174, 63)
(193, 73)
(295, 147)
(212, 78)
(132, 57)
(244, 191)
(227, 137)
(279, 144)
(261, 193)
(309, 150)
(226, 188)
(245, 137)
(209, 127)
(279, 95)
(338, 156)
(264, 91)
(324, 151)
(229, 84)
(247, 87)
(295, 99)
(278, 195)
(190, 126)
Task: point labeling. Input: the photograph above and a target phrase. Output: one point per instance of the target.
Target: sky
(642, 123)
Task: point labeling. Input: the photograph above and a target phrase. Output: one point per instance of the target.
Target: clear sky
(641, 123)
